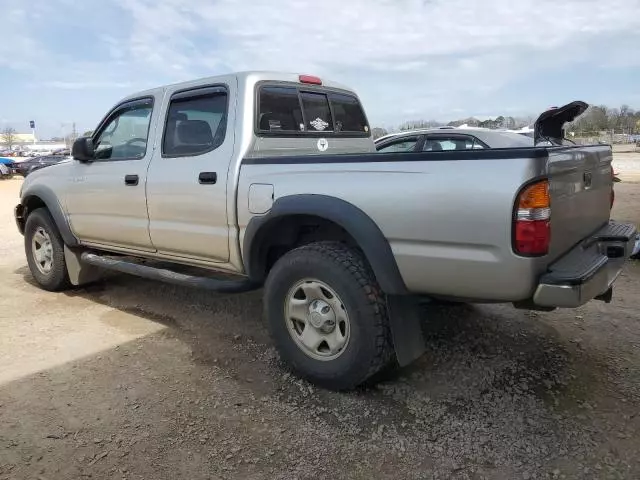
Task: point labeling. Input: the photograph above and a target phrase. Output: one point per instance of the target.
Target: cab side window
(126, 134)
(196, 122)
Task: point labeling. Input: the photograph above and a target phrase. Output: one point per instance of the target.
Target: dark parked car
(25, 167)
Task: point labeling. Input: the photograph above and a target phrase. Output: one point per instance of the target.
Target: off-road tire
(57, 278)
(345, 270)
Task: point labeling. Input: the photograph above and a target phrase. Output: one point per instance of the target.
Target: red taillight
(532, 229)
(532, 237)
(310, 79)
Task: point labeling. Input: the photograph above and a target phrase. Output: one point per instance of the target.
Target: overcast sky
(63, 60)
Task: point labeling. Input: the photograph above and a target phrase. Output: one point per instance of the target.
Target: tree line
(595, 121)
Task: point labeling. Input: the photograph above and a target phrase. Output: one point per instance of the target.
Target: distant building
(28, 141)
(25, 138)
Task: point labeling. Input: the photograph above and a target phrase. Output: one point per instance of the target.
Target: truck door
(105, 198)
(187, 179)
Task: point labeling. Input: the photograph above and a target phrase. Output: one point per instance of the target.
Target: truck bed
(448, 215)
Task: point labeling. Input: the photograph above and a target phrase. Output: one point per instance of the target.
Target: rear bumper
(588, 270)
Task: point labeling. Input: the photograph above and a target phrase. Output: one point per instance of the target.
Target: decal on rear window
(319, 124)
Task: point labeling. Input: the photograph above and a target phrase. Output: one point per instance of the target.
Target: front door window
(126, 134)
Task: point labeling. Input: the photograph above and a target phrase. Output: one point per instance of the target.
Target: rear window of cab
(298, 111)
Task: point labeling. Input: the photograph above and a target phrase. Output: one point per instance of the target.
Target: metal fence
(610, 138)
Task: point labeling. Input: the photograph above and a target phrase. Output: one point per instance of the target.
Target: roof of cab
(248, 78)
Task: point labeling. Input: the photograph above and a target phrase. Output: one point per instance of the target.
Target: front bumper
(588, 270)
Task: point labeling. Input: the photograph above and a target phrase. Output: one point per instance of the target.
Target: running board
(168, 276)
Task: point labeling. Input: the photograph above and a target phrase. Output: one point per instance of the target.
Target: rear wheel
(45, 251)
(327, 315)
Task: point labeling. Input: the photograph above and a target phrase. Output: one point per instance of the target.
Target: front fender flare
(50, 199)
(354, 221)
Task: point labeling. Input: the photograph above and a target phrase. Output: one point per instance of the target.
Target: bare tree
(378, 132)
(8, 137)
(417, 124)
(627, 119)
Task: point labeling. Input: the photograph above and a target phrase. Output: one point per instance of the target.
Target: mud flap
(406, 330)
(80, 273)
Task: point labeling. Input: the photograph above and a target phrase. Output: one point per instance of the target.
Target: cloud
(436, 57)
(410, 49)
(396, 32)
(82, 85)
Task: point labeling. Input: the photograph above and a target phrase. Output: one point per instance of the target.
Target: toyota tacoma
(268, 180)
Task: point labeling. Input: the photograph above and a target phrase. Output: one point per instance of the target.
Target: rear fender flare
(354, 221)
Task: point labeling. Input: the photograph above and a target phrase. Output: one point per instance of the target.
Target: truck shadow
(470, 349)
(489, 371)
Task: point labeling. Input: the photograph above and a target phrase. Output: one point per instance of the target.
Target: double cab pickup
(269, 180)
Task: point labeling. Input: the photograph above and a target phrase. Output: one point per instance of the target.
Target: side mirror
(83, 150)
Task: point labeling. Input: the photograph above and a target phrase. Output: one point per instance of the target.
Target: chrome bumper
(589, 270)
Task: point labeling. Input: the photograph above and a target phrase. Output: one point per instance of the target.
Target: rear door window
(196, 122)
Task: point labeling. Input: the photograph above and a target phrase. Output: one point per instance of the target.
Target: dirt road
(134, 379)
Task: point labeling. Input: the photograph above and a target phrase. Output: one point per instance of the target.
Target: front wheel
(44, 248)
(327, 315)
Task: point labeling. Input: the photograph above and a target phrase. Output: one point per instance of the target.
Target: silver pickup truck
(254, 180)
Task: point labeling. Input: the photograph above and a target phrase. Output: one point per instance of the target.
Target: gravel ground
(134, 379)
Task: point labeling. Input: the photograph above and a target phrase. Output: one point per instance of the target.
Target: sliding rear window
(317, 112)
(293, 111)
(349, 116)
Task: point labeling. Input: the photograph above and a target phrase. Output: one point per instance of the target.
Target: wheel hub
(317, 319)
(321, 316)
(42, 249)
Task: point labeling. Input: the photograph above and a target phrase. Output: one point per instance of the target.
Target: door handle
(131, 180)
(207, 177)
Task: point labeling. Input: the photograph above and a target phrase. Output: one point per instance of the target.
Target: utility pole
(72, 136)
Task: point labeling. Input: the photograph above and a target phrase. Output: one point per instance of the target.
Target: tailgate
(580, 186)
